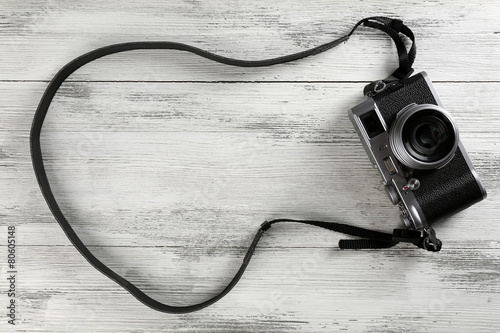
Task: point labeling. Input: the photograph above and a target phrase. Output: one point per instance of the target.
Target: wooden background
(166, 164)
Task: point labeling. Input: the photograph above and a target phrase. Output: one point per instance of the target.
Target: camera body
(414, 143)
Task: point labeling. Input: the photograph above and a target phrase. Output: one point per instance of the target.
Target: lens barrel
(424, 136)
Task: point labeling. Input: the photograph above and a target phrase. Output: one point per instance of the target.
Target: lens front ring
(424, 136)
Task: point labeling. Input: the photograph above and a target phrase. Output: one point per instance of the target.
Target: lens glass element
(423, 136)
(428, 136)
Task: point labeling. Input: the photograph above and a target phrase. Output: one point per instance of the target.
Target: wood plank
(283, 290)
(132, 161)
(45, 35)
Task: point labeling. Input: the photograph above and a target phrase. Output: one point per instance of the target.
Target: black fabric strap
(370, 239)
(394, 28)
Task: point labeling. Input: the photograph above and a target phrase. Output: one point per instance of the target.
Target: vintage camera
(414, 143)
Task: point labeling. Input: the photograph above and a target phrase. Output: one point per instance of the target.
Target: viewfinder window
(372, 124)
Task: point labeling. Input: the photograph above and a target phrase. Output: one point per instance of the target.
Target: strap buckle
(430, 242)
(426, 239)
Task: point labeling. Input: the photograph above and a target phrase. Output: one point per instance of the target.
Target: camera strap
(368, 239)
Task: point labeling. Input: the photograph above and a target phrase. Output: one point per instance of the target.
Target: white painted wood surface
(166, 164)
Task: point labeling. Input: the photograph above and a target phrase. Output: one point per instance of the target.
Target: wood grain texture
(166, 164)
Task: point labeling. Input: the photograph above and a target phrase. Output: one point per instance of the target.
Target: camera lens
(427, 136)
(424, 136)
